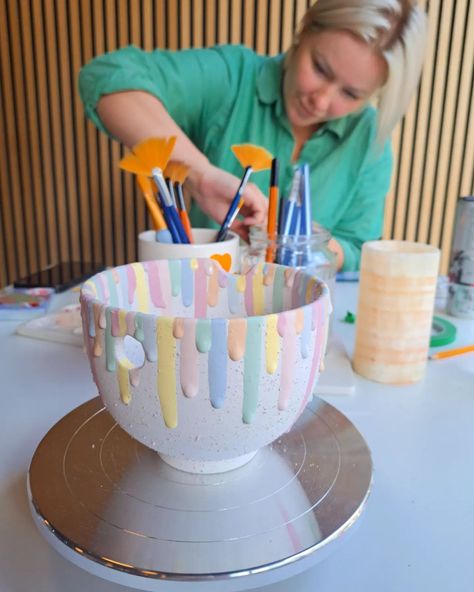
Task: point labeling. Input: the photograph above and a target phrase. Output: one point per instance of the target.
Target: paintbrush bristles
(176, 171)
(155, 152)
(250, 155)
(132, 164)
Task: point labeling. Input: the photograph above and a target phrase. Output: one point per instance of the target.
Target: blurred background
(62, 196)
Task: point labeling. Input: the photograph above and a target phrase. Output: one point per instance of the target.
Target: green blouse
(230, 95)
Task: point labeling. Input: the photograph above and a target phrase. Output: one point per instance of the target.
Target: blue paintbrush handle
(178, 225)
(233, 205)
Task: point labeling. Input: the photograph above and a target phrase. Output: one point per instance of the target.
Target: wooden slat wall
(58, 176)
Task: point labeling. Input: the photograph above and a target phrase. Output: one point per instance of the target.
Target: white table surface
(416, 534)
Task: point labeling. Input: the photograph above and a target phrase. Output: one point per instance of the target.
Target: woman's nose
(323, 96)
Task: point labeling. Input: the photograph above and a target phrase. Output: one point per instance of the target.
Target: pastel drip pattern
(190, 314)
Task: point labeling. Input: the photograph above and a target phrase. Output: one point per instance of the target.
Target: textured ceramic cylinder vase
(395, 310)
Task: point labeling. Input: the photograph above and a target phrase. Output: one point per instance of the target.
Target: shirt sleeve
(192, 84)
(363, 220)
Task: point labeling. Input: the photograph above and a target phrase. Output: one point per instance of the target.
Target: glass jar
(310, 253)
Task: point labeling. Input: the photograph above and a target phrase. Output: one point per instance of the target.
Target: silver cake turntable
(113, 507)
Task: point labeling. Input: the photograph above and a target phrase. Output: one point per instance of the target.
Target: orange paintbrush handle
(272, 223)
(183, 214)
(155, 213)
(450, 353)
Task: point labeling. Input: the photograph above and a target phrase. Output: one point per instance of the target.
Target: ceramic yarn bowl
(204, 366)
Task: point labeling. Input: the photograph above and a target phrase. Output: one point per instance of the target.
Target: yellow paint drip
(236, 337)
(258, 290)
(122, 321)
(142, 287)
(166, 347)
(272, 344)
(124, 366)
(240, 283)
(193, 264)
(90, 285)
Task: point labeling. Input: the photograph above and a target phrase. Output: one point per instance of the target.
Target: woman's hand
(214, 189)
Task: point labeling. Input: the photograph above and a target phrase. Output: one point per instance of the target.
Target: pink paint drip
(132, 283)
(114, 319)
(165, 283)
(189, 362)
(281, 324)
(103, 286)
(223, 278)
(130, 321)
(288, 357)
(154, 278)
(318, 318)
(200, 291)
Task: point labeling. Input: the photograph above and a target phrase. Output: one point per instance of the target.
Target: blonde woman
(314, 104)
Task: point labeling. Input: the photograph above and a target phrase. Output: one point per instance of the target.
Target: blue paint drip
(234, 296)
(187, 282)
(123, 289)
(217, 363)
(90, 314)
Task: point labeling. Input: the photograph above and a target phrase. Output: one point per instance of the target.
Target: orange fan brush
(149, 158)
(252, 158)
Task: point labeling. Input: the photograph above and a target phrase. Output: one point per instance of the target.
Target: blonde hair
(395, 28)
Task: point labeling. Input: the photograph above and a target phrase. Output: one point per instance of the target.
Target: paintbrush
(177, 173)
(163, 235)
(150, 158)
(252, 158)
(272, 211)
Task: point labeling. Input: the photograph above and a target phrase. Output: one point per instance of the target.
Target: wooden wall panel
(59, 181)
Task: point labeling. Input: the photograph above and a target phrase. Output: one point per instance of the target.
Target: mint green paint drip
(175, 276)
(113, 300)
(278, 289)
(203, 335)
(139, 333)
(252, 366)
(109, 342)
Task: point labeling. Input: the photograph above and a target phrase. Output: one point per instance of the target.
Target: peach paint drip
(213, 288)
(286, 329)
(236, 337)
(258, 290)
(98, 346)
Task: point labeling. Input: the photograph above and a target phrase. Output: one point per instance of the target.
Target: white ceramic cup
(395, 310)
(226, 252)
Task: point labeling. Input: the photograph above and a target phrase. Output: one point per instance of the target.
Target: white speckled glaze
(203, 366)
